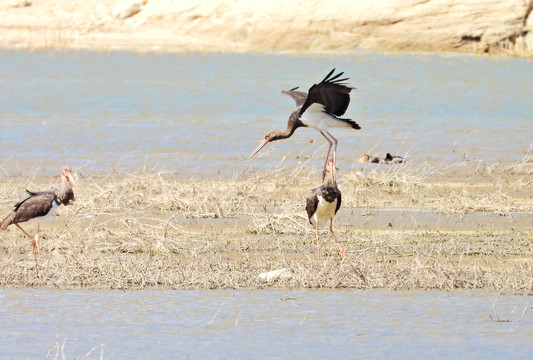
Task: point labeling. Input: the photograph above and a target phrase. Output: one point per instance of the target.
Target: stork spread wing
(298, 96)
(331, 92)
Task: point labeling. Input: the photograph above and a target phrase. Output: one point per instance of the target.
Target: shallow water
(265, 324)
(203, 114)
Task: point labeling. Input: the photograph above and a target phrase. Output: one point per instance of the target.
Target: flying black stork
(320, 109)
(40, 204)
(323, 204)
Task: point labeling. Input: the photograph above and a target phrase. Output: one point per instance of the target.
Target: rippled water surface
(299, 324)
(203, 114)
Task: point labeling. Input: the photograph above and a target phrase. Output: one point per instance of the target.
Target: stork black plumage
(40, 204)
(320, 109)
(323, 204)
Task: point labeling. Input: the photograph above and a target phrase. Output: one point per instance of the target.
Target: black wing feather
(312, 204)
(339, 200)
(328, 75)
(331, 92)
(35, 205)
(336, 76)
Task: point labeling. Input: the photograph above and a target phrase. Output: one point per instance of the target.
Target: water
(243, 324)
(203, 114)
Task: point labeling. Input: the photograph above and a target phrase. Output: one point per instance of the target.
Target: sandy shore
(403, 227)
(337, 26)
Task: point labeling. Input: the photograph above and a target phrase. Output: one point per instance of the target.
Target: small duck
(388, 159)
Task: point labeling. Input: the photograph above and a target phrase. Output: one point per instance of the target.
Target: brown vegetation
(403, 227)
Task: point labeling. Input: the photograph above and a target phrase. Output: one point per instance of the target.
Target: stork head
(271, 136)
(66, 174)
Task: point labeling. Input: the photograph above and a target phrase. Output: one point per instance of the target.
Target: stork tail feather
(352, 123)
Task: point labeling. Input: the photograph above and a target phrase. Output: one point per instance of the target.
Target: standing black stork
(319, 109)
(40, 204)
(323, 204)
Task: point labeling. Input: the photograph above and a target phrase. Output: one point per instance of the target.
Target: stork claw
(342, 252)
(35, 248)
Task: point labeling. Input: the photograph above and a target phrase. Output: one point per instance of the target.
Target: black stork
(40, 204)
(320, 109)
(323, 204)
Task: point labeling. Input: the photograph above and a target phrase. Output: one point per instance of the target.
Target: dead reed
(404, 227)
(57, 351)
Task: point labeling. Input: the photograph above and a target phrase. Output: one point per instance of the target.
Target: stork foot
(35, 245)
(342, 252)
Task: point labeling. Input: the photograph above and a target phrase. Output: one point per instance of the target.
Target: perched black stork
(323, 204)
(319, 109)
(40, 204)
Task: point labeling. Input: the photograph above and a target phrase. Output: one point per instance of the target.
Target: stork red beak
(263, 143)
(71, 180)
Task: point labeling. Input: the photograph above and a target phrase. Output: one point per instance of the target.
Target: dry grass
(404, 227)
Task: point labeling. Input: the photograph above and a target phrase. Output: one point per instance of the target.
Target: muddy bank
(466, 26)
(403, 227)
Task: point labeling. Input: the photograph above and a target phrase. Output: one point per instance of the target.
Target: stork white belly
(54, 207)
(316, 117)
(325, 210)
(48, 215)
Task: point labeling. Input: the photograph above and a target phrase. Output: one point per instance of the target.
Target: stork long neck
(64, 189)
(293, 124)
(280, 135)
(331, 176)
(330, 181)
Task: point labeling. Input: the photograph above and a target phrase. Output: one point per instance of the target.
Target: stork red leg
(335, 141)
(17, 225)
(329, 151)
(317, 243)
(34, 244)
(37, 240)
(342, 252)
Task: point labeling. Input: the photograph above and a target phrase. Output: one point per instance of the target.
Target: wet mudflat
(401, 231)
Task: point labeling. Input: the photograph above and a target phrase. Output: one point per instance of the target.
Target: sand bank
(340, 26)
